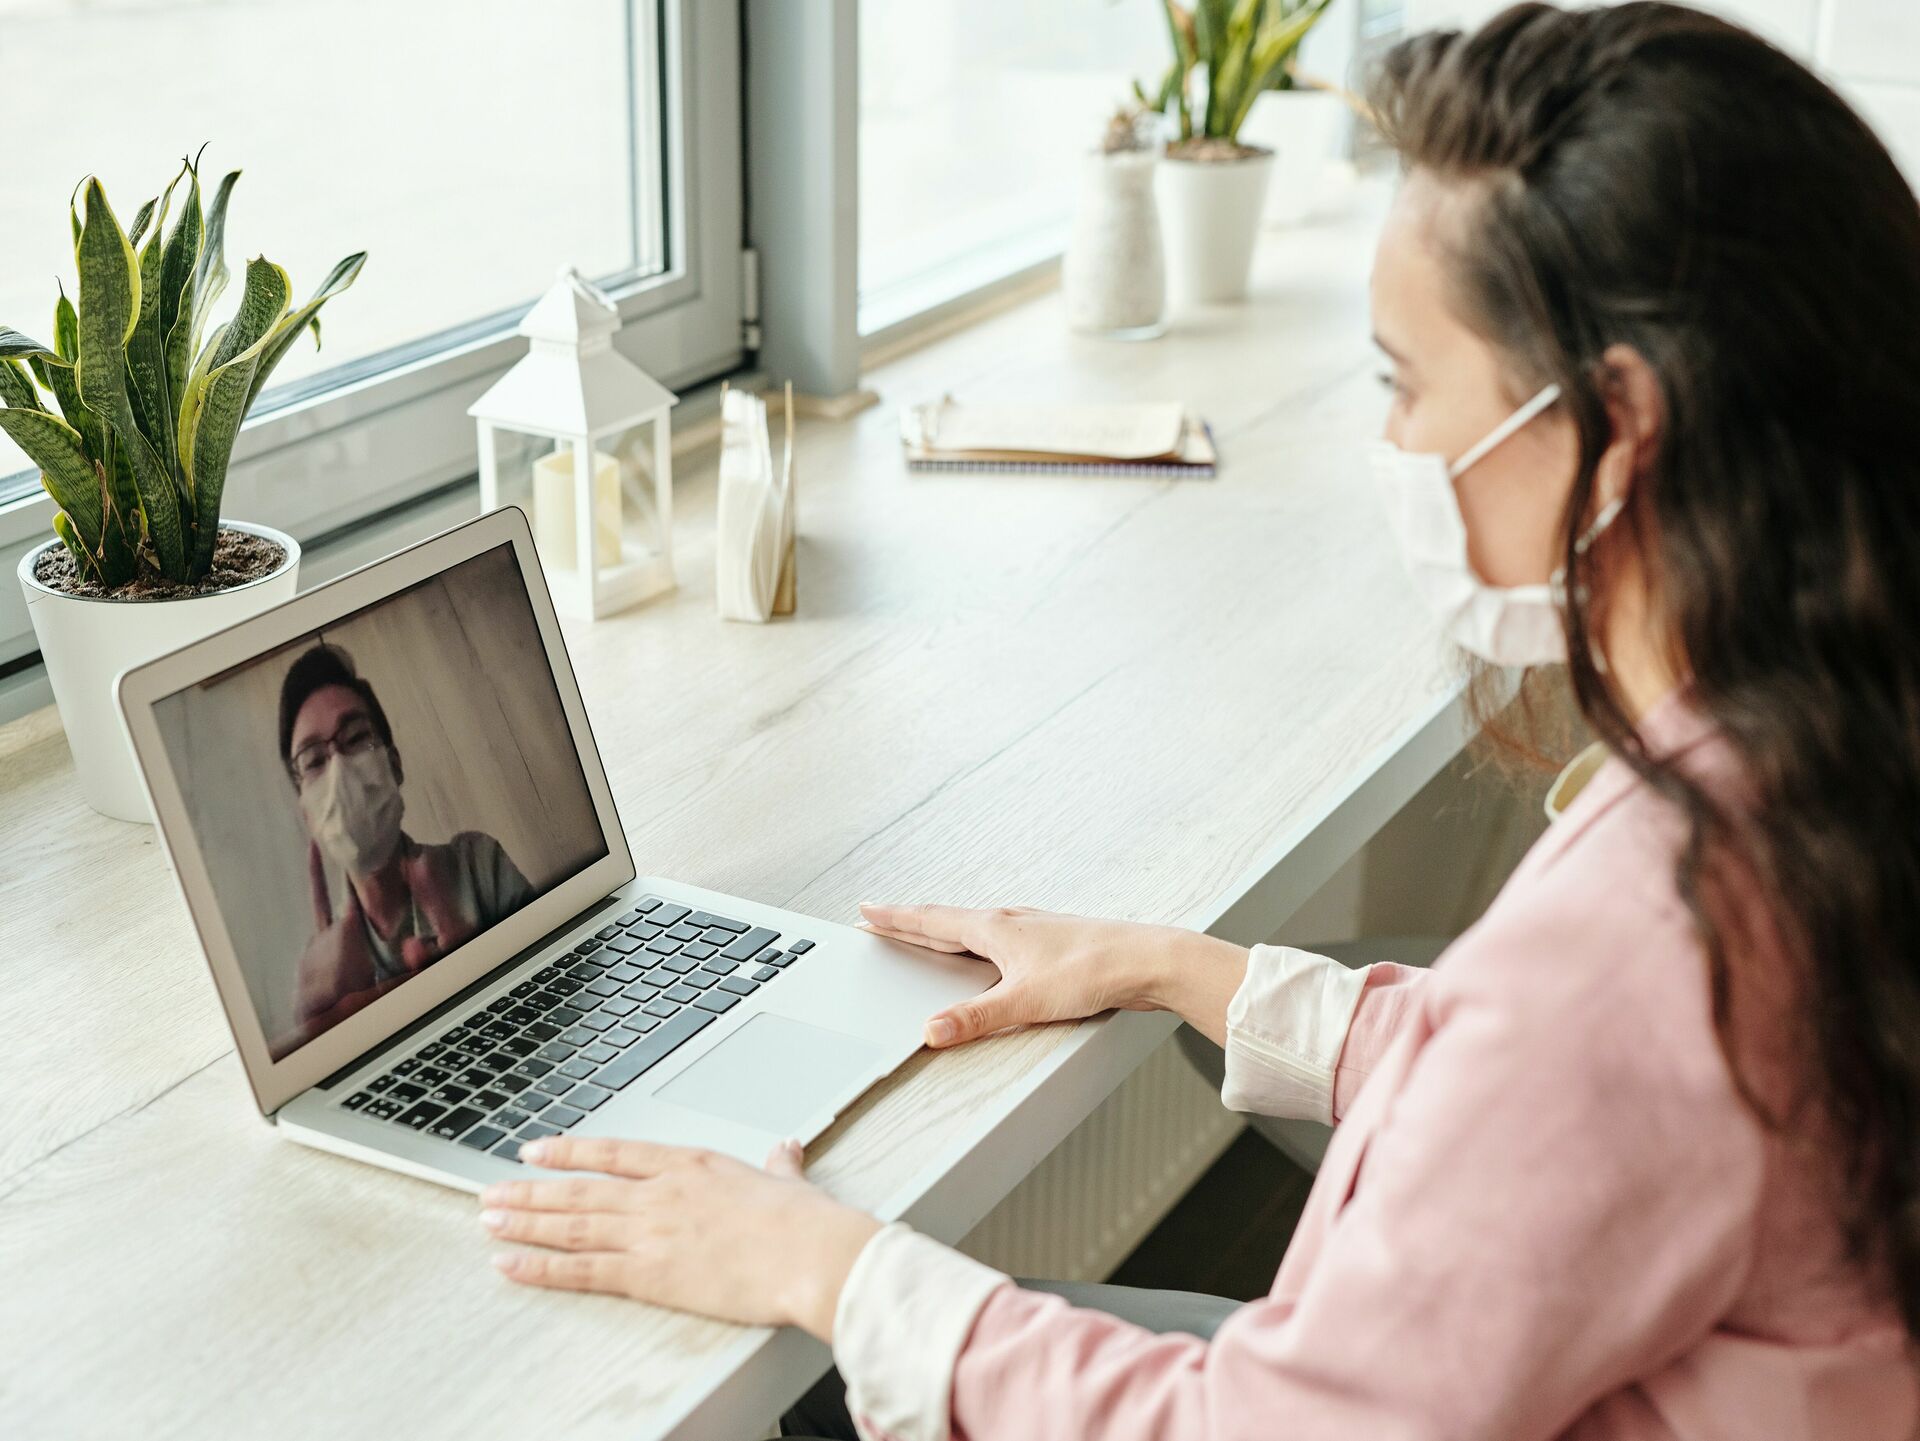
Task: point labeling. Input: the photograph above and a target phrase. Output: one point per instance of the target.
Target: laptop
(385, 809)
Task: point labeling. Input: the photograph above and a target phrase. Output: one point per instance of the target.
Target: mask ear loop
(1506, 428)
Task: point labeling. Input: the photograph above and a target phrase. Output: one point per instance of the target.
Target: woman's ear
(1638, 412)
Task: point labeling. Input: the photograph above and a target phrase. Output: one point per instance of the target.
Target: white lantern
(604, 535)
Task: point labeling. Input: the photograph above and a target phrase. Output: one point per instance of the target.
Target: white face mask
(353, 810)
(1508, 625)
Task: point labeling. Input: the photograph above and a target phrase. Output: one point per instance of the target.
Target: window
(472, 147)
(974, 116)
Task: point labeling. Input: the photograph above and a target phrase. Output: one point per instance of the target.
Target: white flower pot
(1114, 274)
(86, 643)
(1306, 130)
(1210, 217)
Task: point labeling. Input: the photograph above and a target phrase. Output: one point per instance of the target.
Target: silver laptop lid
(375, 794)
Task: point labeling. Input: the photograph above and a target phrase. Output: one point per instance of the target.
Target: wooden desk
(1183, 701)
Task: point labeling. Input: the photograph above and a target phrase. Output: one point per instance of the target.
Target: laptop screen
(378, 793)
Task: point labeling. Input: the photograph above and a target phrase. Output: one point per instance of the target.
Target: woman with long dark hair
(1640, 1157)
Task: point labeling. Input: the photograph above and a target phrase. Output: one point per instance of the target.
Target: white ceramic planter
(1306, 130)
(1210, 217)
(87, 643)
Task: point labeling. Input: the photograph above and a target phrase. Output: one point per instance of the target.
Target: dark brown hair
(1645, 175)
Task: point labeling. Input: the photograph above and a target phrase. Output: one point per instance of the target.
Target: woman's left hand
(682, 1228)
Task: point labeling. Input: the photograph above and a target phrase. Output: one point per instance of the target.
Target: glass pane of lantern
(643, 532)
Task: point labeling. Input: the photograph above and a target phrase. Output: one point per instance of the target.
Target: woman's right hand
(1060, 968)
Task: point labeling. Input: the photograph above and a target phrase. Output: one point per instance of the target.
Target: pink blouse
(1546, 1212)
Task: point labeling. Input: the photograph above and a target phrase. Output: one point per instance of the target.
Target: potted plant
(1212, 186)
(132, 424)
(1113, 274)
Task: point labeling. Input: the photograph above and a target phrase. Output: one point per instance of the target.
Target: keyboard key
(511, 1084)
(545, 1000)
(522, 1045)
(583, 970)
(579, 1068)
(455, 1124)
(577, 1036)
(641, 1023)
(644, 932)
(407, 1067)
(451, 1095)
(508, 1119)
(360, 1098)
(765, 973)
(700, 980)
(719, 1002)
(684, 933)
(500, 1060)
(662, 976)
(607, 933)
(476, 1020)
(629, 917)
(491, 1100)
(564, 1016)
(522, 1015)
(739, 985)
(499, 1006)
(678, 965)
(563, 1116)
(605, 986)
(556, 1051)
(653, 1048)
(599, 1052)
(682, 994)
(432, 1049)
(782, 959)
(381, 1083)
(497, 1031)
(406, 1093)
(554, 1085)
(509, 1149)
(534, 1101)
(668, 915)
(455, 1036)
(537, 1131)
(800, 948)
(660, 1006)
(626, 945)
(546, 973)
(532, 1068)
(622, 1035)
(541, 1031)
(720, 966)
(618, 1006)
(698, 950)
(568, 985)
(381, 1109)
(646, 904)
(626, 971)
(726, 923)
(525, 988)
(584, 1097)
(481, 1137)
(586, 947)
(746, 946)
(433, 1075)
(662, 946)
(420, 1115)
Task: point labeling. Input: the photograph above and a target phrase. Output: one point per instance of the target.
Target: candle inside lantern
(553, 509)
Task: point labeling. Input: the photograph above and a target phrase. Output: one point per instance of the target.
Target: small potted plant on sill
(132, 425)
(1213, 187)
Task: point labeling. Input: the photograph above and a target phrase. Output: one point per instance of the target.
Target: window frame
(316, 464)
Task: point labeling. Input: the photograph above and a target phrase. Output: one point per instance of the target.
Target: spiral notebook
(1160, 439)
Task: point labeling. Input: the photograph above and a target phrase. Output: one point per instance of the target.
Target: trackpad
(773, 1074)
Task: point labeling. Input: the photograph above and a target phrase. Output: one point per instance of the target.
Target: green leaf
(66, 329)
(89, 567)
(146, 351)
(16, 389)
(69, 476)
(177, 266)
(210, 275)
(142, 220)
(122, 540)
(288, 330)
(262, 304)
(15, 346)
(109, 305)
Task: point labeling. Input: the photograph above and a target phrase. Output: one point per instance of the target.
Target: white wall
(1868, 49)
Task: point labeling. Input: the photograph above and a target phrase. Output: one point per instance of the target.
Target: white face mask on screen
(1508, 625)
(353, 810)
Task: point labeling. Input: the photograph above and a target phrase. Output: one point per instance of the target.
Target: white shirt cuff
(1285, 1027)
(903, 1317)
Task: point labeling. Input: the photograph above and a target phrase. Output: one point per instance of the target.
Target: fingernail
(939, 1032)
(506, 1261)
(493, 1220)
(534, 1151)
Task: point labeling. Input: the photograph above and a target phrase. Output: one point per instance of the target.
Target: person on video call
(405, 904)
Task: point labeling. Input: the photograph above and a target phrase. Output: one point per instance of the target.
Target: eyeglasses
(356, 737)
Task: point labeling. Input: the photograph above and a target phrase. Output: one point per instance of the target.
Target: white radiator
(1085, 1207)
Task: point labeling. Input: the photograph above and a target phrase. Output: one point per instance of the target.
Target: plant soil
(1213, 150)
(238, 559)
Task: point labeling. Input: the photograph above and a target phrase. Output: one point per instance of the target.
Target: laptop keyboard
(559, 1045)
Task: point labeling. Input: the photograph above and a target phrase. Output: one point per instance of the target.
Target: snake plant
(1244, 46)
(147, 400)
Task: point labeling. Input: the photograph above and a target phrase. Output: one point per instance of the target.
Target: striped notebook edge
(1149, 469)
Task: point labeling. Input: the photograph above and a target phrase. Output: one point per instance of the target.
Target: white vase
(1210, 217)
(1115, 274)
(1306, 130)
(87, 642)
